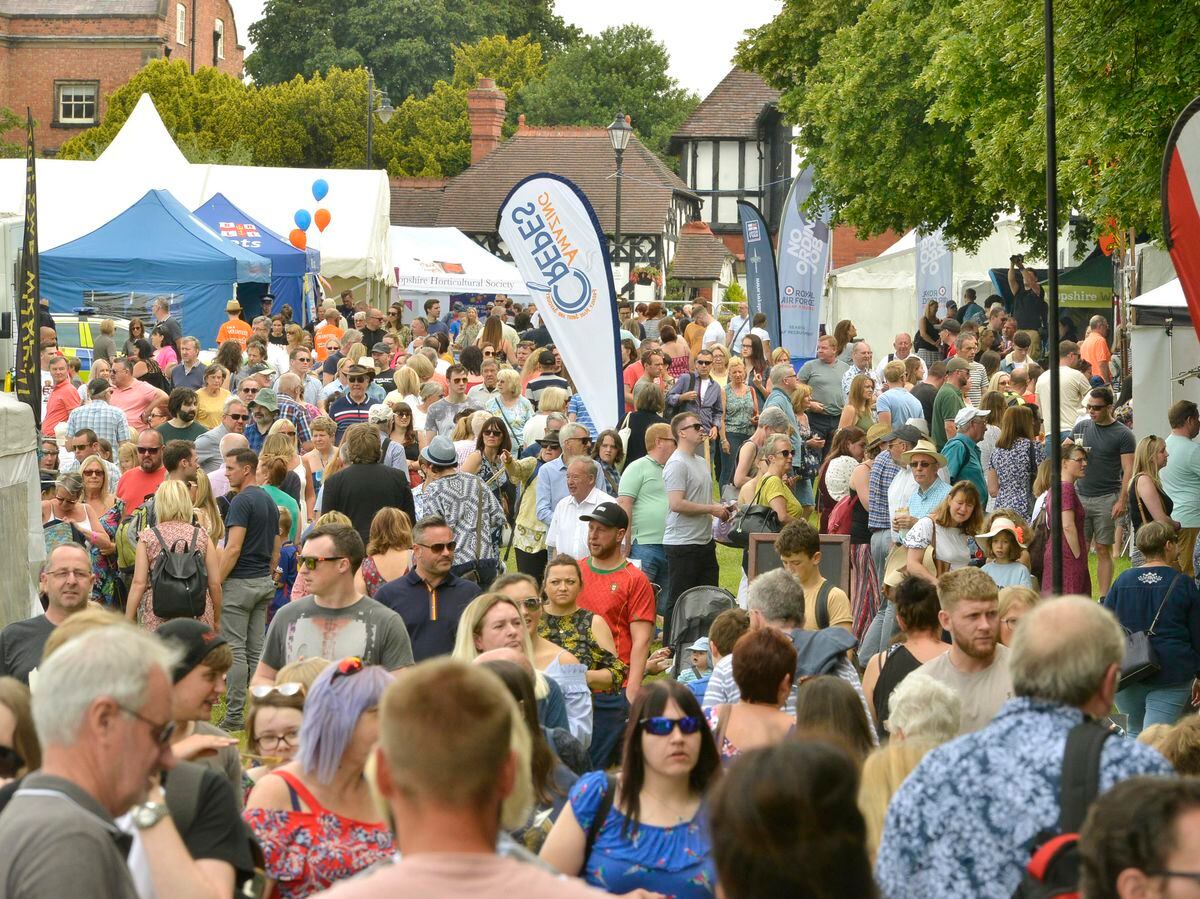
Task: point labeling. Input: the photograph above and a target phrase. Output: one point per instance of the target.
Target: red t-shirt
(619, 596)
(61, 401)
(135, 485)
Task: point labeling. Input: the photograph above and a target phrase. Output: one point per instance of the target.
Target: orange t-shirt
(235, 329)
(1095, 350)
(323, 333)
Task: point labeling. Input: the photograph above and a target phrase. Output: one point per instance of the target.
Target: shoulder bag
(753, 519)
(1141, 659)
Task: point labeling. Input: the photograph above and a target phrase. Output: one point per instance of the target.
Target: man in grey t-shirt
(824, 376)
(336, 621)
(440, 419)
(691, 552)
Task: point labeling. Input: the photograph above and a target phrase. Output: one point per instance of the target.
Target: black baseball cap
(609, 514)
(197, 640)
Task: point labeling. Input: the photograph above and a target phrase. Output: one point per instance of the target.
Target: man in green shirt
(182, 425)
(949, 399)
(644, 498)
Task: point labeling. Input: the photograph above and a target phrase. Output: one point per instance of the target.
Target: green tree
(620, 70)
(783, 50)
(407, 43)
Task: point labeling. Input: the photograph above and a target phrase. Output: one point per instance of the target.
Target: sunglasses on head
(660, 726)
(532, 602)
(347, 666)
(262, 691)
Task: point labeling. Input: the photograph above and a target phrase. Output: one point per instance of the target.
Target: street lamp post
(618, 134)
(384, 110)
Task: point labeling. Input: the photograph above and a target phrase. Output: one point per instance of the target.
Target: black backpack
(1053, 868)
(178, 578)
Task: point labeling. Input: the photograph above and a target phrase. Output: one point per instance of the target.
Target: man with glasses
(268, 406)
(687, 538)
(381, 355)
(373, 332)
(354, 406)
(300, 360)
(698, 393)
(233, 421)
(247, 582)
(335, 621)
(480, 394)
(440, 419)
(133, 397)
(430, 598)
(140, 482)
(103, 716)
(1104, 488)
(1181, 477)
(66, 582)
(552, 477)
(87, 443)
(950, 399)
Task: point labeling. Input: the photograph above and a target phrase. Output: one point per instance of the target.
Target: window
(218, 39)
(77, 104)
(180, 23)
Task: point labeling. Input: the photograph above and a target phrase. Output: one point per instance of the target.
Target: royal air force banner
(935, 272)
(556, 242)
(803, 265)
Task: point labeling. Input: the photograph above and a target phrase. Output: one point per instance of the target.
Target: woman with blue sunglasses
(646, 830)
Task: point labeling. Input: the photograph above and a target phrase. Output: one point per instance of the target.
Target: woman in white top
(946, 531)
(408, 390)
(549, 658)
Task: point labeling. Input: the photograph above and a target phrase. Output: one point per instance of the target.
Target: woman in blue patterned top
(654, 835)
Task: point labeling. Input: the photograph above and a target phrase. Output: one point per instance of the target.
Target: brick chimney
(485, 110)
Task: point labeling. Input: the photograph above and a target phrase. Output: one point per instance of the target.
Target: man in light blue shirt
(896, 405)
(1181, 476)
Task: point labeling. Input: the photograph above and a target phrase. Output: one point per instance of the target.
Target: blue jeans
(729, 459)
(654, 565)
(609, 713)
(1147, 704)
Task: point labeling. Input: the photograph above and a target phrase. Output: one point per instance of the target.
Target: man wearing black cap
(618, 592)
(546, 377)
(385, 374)
(198, 682)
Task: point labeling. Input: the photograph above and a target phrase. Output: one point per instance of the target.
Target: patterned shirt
(456, 498)
(922, 504)
(883, 472)
(965, 821)
(107, 421)
(848, 379)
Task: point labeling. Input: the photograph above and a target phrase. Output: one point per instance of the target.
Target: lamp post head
(385, 108)
(619, 132)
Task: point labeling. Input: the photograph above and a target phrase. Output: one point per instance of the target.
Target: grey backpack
(178, 578)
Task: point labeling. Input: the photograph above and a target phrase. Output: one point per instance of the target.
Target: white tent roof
(879, 295)
(1169, 295)
(76, 197)
(444, 260)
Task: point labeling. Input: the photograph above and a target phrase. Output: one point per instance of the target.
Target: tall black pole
(1056, 555)
(616, 260)
(371, 112)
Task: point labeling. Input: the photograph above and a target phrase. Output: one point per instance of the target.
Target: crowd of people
(376, 607)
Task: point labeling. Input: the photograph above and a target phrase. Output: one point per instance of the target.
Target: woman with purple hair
(314, 816)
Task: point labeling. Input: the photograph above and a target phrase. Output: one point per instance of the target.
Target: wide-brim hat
(895, 569)
(924, 448)
(877, 433)
(999, 526)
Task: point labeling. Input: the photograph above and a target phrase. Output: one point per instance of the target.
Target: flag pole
(28, 357)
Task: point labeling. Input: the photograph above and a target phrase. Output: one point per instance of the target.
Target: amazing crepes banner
(557, 244)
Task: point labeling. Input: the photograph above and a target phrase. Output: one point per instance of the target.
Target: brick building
(62, 58)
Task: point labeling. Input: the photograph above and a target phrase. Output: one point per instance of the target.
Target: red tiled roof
(584, 155)
(700, 254)
(415, 201)
(731, 110)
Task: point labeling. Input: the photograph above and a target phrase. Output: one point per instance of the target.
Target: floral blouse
(574, 634)
(105, 589)
(739, 411)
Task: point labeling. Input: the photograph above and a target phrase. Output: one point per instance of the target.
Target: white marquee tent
(1163, 344)
(76, 197)
(437, 262)
(879, 295)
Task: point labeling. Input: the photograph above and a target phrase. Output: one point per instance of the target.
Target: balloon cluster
(303, 219)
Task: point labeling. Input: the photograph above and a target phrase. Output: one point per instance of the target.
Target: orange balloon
(322, 217)
(298, 238)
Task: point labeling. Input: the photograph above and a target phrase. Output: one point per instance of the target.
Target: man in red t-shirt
(140, 482)
(651, 365)
(618, 591)
(63, 397)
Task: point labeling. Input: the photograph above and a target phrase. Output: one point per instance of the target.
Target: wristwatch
(148, 814)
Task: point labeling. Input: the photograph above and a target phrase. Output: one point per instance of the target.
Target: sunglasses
(920, 465)
(333, 347)
(492, 434)
(787, 453)
(239, 417)
(311, 562)
(10, 761)
(262, 691)
(357, 379)
(696, 425)
(249, 391)
(160, 733)
(347, 666)
(1092, 407)
(660, 726)
(532, 602)
(147, 450)
(78, 448)
(403, 414)
(704, 362)
(93, 473)
(439, 548)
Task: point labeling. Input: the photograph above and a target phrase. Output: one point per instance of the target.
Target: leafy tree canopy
(931, 112)
(620, 70)
(407, 43)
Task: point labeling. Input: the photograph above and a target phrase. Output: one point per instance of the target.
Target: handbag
(1141, 660)
(753, 519)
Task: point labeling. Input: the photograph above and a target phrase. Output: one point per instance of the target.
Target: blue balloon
(302, 218)
(320, 188)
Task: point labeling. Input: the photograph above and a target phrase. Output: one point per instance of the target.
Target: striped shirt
(883, 472)
(582, 416)
(106, 420)
(345, 412)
